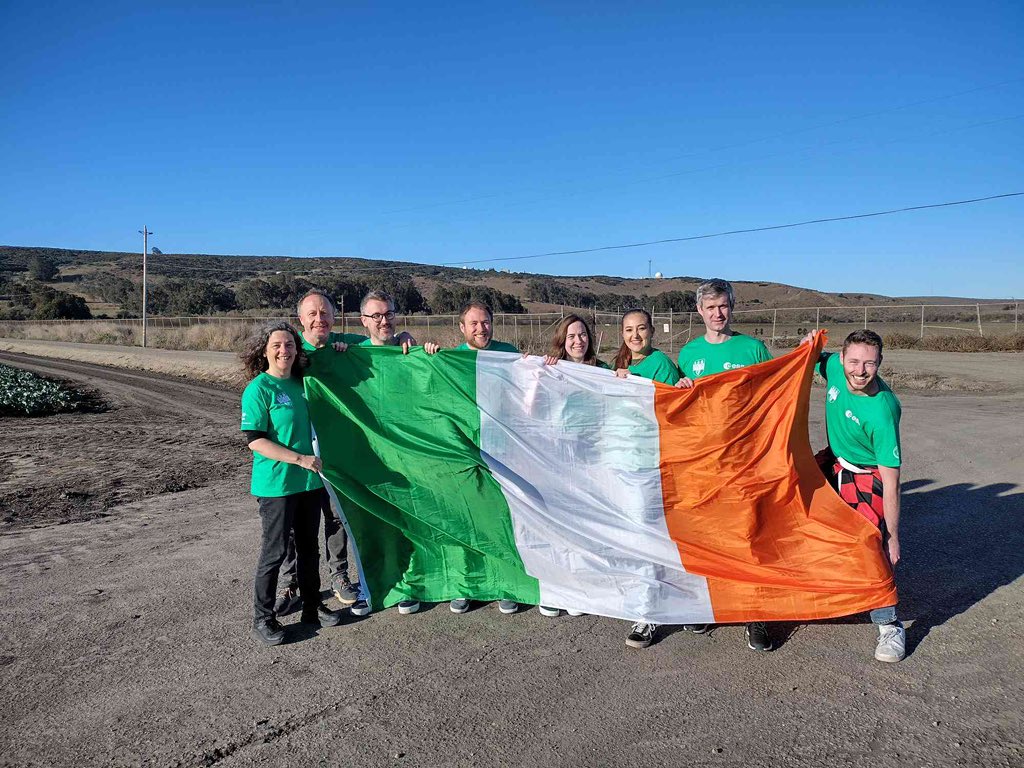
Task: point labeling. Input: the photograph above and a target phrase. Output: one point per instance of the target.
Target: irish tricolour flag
(488, 475)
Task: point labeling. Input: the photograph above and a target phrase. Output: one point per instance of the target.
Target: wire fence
(532, 332)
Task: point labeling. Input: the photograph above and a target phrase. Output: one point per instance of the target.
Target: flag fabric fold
(487, 475)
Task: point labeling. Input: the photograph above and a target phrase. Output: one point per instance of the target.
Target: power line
(739, 231)
(749, 230)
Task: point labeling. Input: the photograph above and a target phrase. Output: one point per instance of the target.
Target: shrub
(25, 394)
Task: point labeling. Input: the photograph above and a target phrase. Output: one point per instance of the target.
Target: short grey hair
(315, 292)
(715, 287)
(377, 296)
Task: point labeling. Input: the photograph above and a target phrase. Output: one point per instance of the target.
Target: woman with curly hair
(285, 474)
(573, 341)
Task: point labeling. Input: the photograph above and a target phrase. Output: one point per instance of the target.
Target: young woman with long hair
(637, 354)
(573, 341)
(285, 474)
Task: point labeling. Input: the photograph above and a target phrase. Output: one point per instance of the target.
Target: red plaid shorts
(862, 491)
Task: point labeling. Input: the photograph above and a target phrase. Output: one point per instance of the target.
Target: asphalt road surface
(126, 605)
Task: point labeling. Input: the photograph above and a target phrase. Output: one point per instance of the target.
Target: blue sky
(446, 132)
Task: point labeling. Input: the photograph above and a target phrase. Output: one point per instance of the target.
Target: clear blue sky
(443, 132)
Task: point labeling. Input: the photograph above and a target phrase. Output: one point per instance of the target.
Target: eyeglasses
(378, 316)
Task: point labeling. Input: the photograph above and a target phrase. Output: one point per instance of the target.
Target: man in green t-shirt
(476, 321)
(722, 349)
(862, 420)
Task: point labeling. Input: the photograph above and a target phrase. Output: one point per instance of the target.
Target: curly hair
(254, 354)
(624, 354)
(558, 340)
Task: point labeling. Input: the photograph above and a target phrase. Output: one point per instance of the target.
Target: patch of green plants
(26, 394)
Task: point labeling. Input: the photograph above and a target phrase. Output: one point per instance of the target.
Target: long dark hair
(254, 354)
(624, 354)
(558, 340)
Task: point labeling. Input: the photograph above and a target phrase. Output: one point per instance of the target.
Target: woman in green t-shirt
(573, 341)
(637, 355)
(285, 475)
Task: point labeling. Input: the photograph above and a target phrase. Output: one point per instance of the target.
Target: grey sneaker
(641, 635)
(892, 642)
(268, 631)
(408, 606)
(459, 605)
(360, 608)
(548, 611)
(343, 589)
(697, 629)
(287, 602)
(508, 606)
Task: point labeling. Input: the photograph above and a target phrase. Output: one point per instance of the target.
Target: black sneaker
(642, 635)
(343, 589)
(268, 631)
(757, 637)
(697, 629)
(287, 602)
(321, 615)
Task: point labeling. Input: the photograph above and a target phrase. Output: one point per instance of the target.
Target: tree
(63, 306)
(42, 268)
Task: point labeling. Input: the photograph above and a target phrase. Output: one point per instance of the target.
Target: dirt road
(125, 637)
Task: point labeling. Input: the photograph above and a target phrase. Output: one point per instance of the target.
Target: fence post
(671, 341)
(1015, 317)
(775, 317)
(922, 321)
(978, 308)
(343, 313)
(865, 318)
(689, 328)
(817, 318)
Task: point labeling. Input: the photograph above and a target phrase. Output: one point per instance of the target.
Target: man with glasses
(377, 314)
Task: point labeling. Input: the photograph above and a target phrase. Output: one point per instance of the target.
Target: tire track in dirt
(160, 435)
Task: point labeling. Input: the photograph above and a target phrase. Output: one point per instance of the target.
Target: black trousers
(298, 514)
(335, 544)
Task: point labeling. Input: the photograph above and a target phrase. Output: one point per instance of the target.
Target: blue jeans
(886, 615)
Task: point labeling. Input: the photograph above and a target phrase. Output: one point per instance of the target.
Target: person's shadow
(959, 544)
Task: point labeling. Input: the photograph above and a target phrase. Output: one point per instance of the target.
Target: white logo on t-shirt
(896, 452)
(733, 366)
(851, 417)
(698, 367)
(833, 394)
(283, 399)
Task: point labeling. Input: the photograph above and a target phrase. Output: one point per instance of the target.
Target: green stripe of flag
(429, 519)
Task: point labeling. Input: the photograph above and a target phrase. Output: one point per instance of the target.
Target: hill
(200, 283)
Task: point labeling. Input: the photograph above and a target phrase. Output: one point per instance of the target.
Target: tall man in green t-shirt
(476, 321)
(862, 419)
(722, 349)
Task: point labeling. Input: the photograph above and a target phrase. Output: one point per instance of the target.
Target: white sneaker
(575, 613)
(892, 643)
(408, 606)
(508, 606)
(360, 608)
(547, 611)
(459, 605)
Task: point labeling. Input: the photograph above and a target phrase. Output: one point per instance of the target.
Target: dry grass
(1013, 342)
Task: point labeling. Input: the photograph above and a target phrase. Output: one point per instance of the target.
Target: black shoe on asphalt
(268, 631)
(287, 602)
(641, 635)
(697, 629)
(321, 615)
(343, 589)
(757, 637)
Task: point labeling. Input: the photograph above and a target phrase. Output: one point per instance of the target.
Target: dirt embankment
(160, 435)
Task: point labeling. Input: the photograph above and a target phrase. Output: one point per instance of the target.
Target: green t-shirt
(278, 407)
(348, 338)
(494, 346)
(863, 429)
(603, 364)
(368, 342)
(702, 358)
(656, 366)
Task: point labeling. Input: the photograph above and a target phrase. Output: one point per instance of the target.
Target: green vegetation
(552, 292)
(25, 394)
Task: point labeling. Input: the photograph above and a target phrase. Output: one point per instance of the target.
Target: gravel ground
(125, 633)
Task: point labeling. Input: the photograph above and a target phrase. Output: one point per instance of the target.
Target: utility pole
(145, 247)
